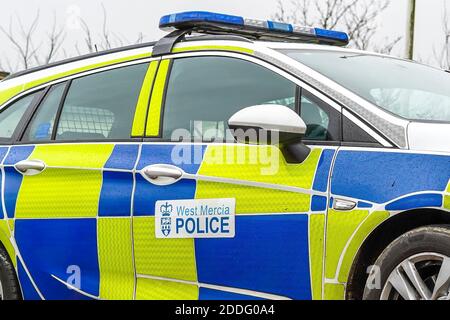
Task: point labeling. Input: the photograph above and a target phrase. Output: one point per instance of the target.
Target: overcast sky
(127, 18)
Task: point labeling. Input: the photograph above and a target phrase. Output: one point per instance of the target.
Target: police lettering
(213, 225)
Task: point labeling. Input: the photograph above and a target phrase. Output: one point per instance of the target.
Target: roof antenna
(96, 49)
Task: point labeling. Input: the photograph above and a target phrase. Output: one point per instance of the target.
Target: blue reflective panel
(28, 290)
(269, 254)
(318, 203)
(115, 197)
(381, 177)
(416, 201)
(123, 157)
(56, 247)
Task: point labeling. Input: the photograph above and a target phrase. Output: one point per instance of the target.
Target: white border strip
(255, 294)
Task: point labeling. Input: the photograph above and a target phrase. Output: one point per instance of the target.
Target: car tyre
(9, 285)
(416, 266)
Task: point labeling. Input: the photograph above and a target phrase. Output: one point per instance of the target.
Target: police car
(232, 159)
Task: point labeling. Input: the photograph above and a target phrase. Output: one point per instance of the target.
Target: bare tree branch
(30, 52)
(357, 18)
(22, 40)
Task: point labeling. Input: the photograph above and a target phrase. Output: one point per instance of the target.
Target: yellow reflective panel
(447, 202)
(373, 221)
(149, 289)
(7, 94)
(92, 156)
(144, 100)
(316, 251)
(115, 258)
(72, 189)
(57, 193)
(260, 164)
(214, 48)
(154, 113)
(265, 164)
(334, 291)
(167, 258)
(340, 227)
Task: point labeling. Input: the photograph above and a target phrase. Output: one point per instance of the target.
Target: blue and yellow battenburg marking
(79, 218)
(95, 234)
(279, 245)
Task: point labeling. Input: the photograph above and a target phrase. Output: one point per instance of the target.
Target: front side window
(407, 89)
(204, 92)
(322, 121)
(11, 116)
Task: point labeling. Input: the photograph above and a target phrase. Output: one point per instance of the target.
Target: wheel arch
(381, 237)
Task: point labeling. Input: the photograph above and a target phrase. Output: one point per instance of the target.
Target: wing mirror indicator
(272, 125)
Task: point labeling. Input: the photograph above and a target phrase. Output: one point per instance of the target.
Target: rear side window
(95, 107)
(11, 116)
(101, 106)
(204, 92)
(41, 126)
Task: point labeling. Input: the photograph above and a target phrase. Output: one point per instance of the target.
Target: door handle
(30, 167)
(162, 174)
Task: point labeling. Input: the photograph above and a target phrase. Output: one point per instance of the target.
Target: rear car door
(275, 249)
(69, 185)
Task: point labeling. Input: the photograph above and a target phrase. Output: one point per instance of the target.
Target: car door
(69, 187)
(275, 246)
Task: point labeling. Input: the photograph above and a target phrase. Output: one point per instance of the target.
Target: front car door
(276, 248)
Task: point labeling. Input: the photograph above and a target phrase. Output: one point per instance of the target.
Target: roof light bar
(217, 23)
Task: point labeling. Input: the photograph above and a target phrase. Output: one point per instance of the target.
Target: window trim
(60, 110)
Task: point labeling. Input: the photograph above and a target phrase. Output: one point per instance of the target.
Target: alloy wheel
(425, 276)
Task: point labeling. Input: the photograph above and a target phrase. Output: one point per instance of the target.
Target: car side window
(10, 117)
(323, 121)
(101, 106)
(41, 126)
(204, 92)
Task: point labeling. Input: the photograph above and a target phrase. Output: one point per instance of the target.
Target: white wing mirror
(271, 125)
